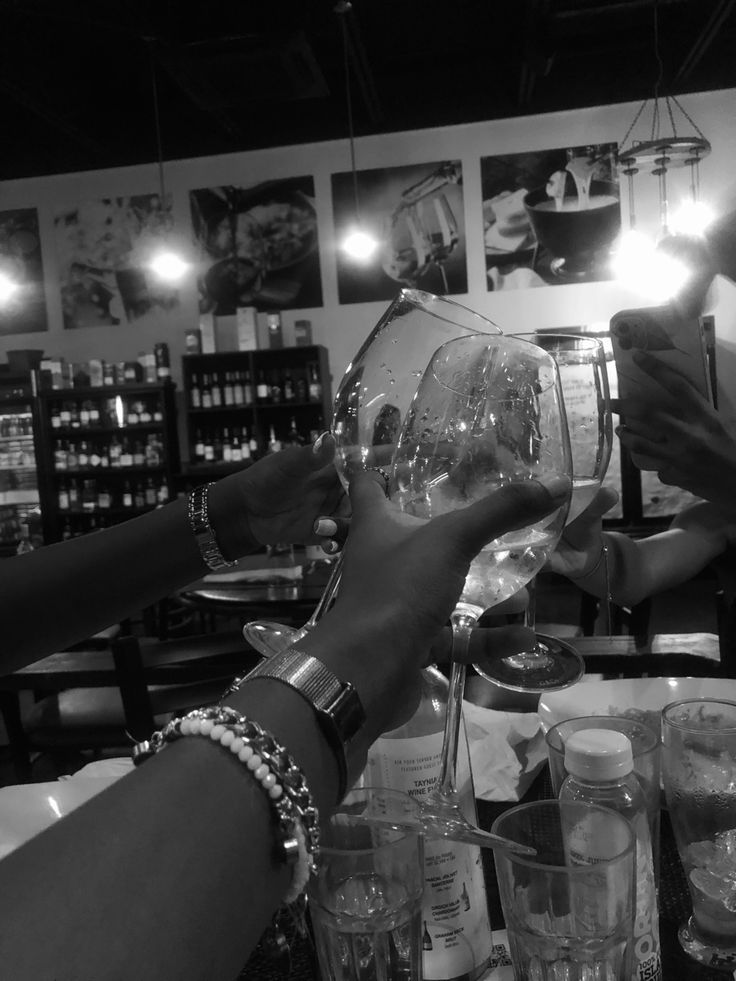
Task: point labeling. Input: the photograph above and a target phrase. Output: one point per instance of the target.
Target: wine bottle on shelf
(84, 414)
(253, 445)
(89, 495)
(65, 414)
(126, 454)
(55, 413)
(274, 445)
(247, 389)
(227, 446)
(127, 495)
(294, 437)
(236, 453)
(94, 413)
(131, 416)
(274, 389)
(289, 392)
(62, 498)
(104, 497)
(315, 385)
(139, 454)
(139, 496)
(408, 759)
(75, 496)
(144, 415)
(216, 391)
(72, 457)
(195, 393)
(116, 452)
(245, 449)
(206, 392)
(228, 393)
(198, 447)
(209, 448)
(238, 393)
(95, 459)
(150, 493)
(158, 411)
(262, 387)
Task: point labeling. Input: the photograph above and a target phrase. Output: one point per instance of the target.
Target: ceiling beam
(704, 40)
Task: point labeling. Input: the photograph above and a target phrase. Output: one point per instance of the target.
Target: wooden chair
(106, 700)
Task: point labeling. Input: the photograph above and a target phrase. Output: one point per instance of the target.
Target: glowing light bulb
(8, 288)
(169, 266)
(691, 218)
(359, 245)
(639, 266)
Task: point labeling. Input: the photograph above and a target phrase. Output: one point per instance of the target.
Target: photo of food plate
(259, 246)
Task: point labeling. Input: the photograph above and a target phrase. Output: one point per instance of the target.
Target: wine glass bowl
(487, 412)
(581, 361)
(370, 404)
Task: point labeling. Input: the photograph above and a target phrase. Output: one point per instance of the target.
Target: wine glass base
(269, 638)
(710, 954)
(553, 665)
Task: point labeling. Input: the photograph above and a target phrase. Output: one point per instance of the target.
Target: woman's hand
(579, 549)
(683, 435)
(277, 499)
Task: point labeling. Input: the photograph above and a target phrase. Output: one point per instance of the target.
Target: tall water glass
(699, 773)
(365, 899)
(569, 911)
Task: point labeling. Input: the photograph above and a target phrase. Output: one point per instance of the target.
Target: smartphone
(675, 339)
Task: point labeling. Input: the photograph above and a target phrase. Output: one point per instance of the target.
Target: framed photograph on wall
(23, 307)
(416, 215)
(550, 217)
(258, 246)
(103, 250)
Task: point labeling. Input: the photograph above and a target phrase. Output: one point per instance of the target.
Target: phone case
(676, 340)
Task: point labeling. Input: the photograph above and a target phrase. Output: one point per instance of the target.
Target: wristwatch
(339, 711)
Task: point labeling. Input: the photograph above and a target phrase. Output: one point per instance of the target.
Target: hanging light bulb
(358, 244)
(164, 262)
(639, 265)
(692, 218)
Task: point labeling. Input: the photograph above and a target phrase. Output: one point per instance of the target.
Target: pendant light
(165, 263)
(639, 262)
(359, 245)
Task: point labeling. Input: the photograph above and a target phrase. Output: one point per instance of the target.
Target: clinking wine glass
(488, 411)
(581, 360)
(370, 406)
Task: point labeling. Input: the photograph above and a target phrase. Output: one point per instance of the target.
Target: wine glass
(370, 405)
(553, 664)
(488, 411)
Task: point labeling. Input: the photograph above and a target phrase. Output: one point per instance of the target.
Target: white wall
(342, 328)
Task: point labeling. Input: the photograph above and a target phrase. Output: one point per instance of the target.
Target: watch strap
(198, 513)
(337, 704)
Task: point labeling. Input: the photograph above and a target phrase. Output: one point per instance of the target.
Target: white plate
(29, 808)
(617, 697)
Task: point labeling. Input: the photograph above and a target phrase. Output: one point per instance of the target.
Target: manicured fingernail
(331, 547)
(325, 526)
(557, 487)
(318, 442)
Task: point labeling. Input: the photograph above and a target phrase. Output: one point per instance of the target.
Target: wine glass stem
(462, 625)
(530, 614)
(328, 594)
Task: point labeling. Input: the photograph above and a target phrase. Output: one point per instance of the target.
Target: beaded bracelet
(271, 765)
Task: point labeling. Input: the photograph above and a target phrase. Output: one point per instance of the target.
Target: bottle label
(457, 940)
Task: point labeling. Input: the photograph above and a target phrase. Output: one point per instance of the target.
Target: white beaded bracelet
(271, 765)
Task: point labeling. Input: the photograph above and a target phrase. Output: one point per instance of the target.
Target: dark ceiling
(241, 74)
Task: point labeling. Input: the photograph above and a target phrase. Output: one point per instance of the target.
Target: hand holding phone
(674, 339)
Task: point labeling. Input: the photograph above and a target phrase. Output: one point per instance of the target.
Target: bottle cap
(598, 754)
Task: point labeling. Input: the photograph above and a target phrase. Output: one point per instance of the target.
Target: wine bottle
(408, 759)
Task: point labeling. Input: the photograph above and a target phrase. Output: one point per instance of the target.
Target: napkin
(507, 751)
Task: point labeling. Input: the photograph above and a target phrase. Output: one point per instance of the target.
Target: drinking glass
(645, 748)
(553, 664)
(569, 911)
(365, 898)
(370, 405)
(487, 412)
(699, 775)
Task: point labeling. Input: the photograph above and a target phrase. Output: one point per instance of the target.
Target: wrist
(228, 514)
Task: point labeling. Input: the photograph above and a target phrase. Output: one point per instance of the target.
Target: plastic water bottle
(600, 768)
(457, 941)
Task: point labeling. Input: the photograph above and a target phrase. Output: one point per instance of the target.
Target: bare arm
(63, 593)
(643, 567)
(170, 873)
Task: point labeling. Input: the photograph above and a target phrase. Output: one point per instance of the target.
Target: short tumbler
(569, 911)
(366, 896)
(699, 772)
